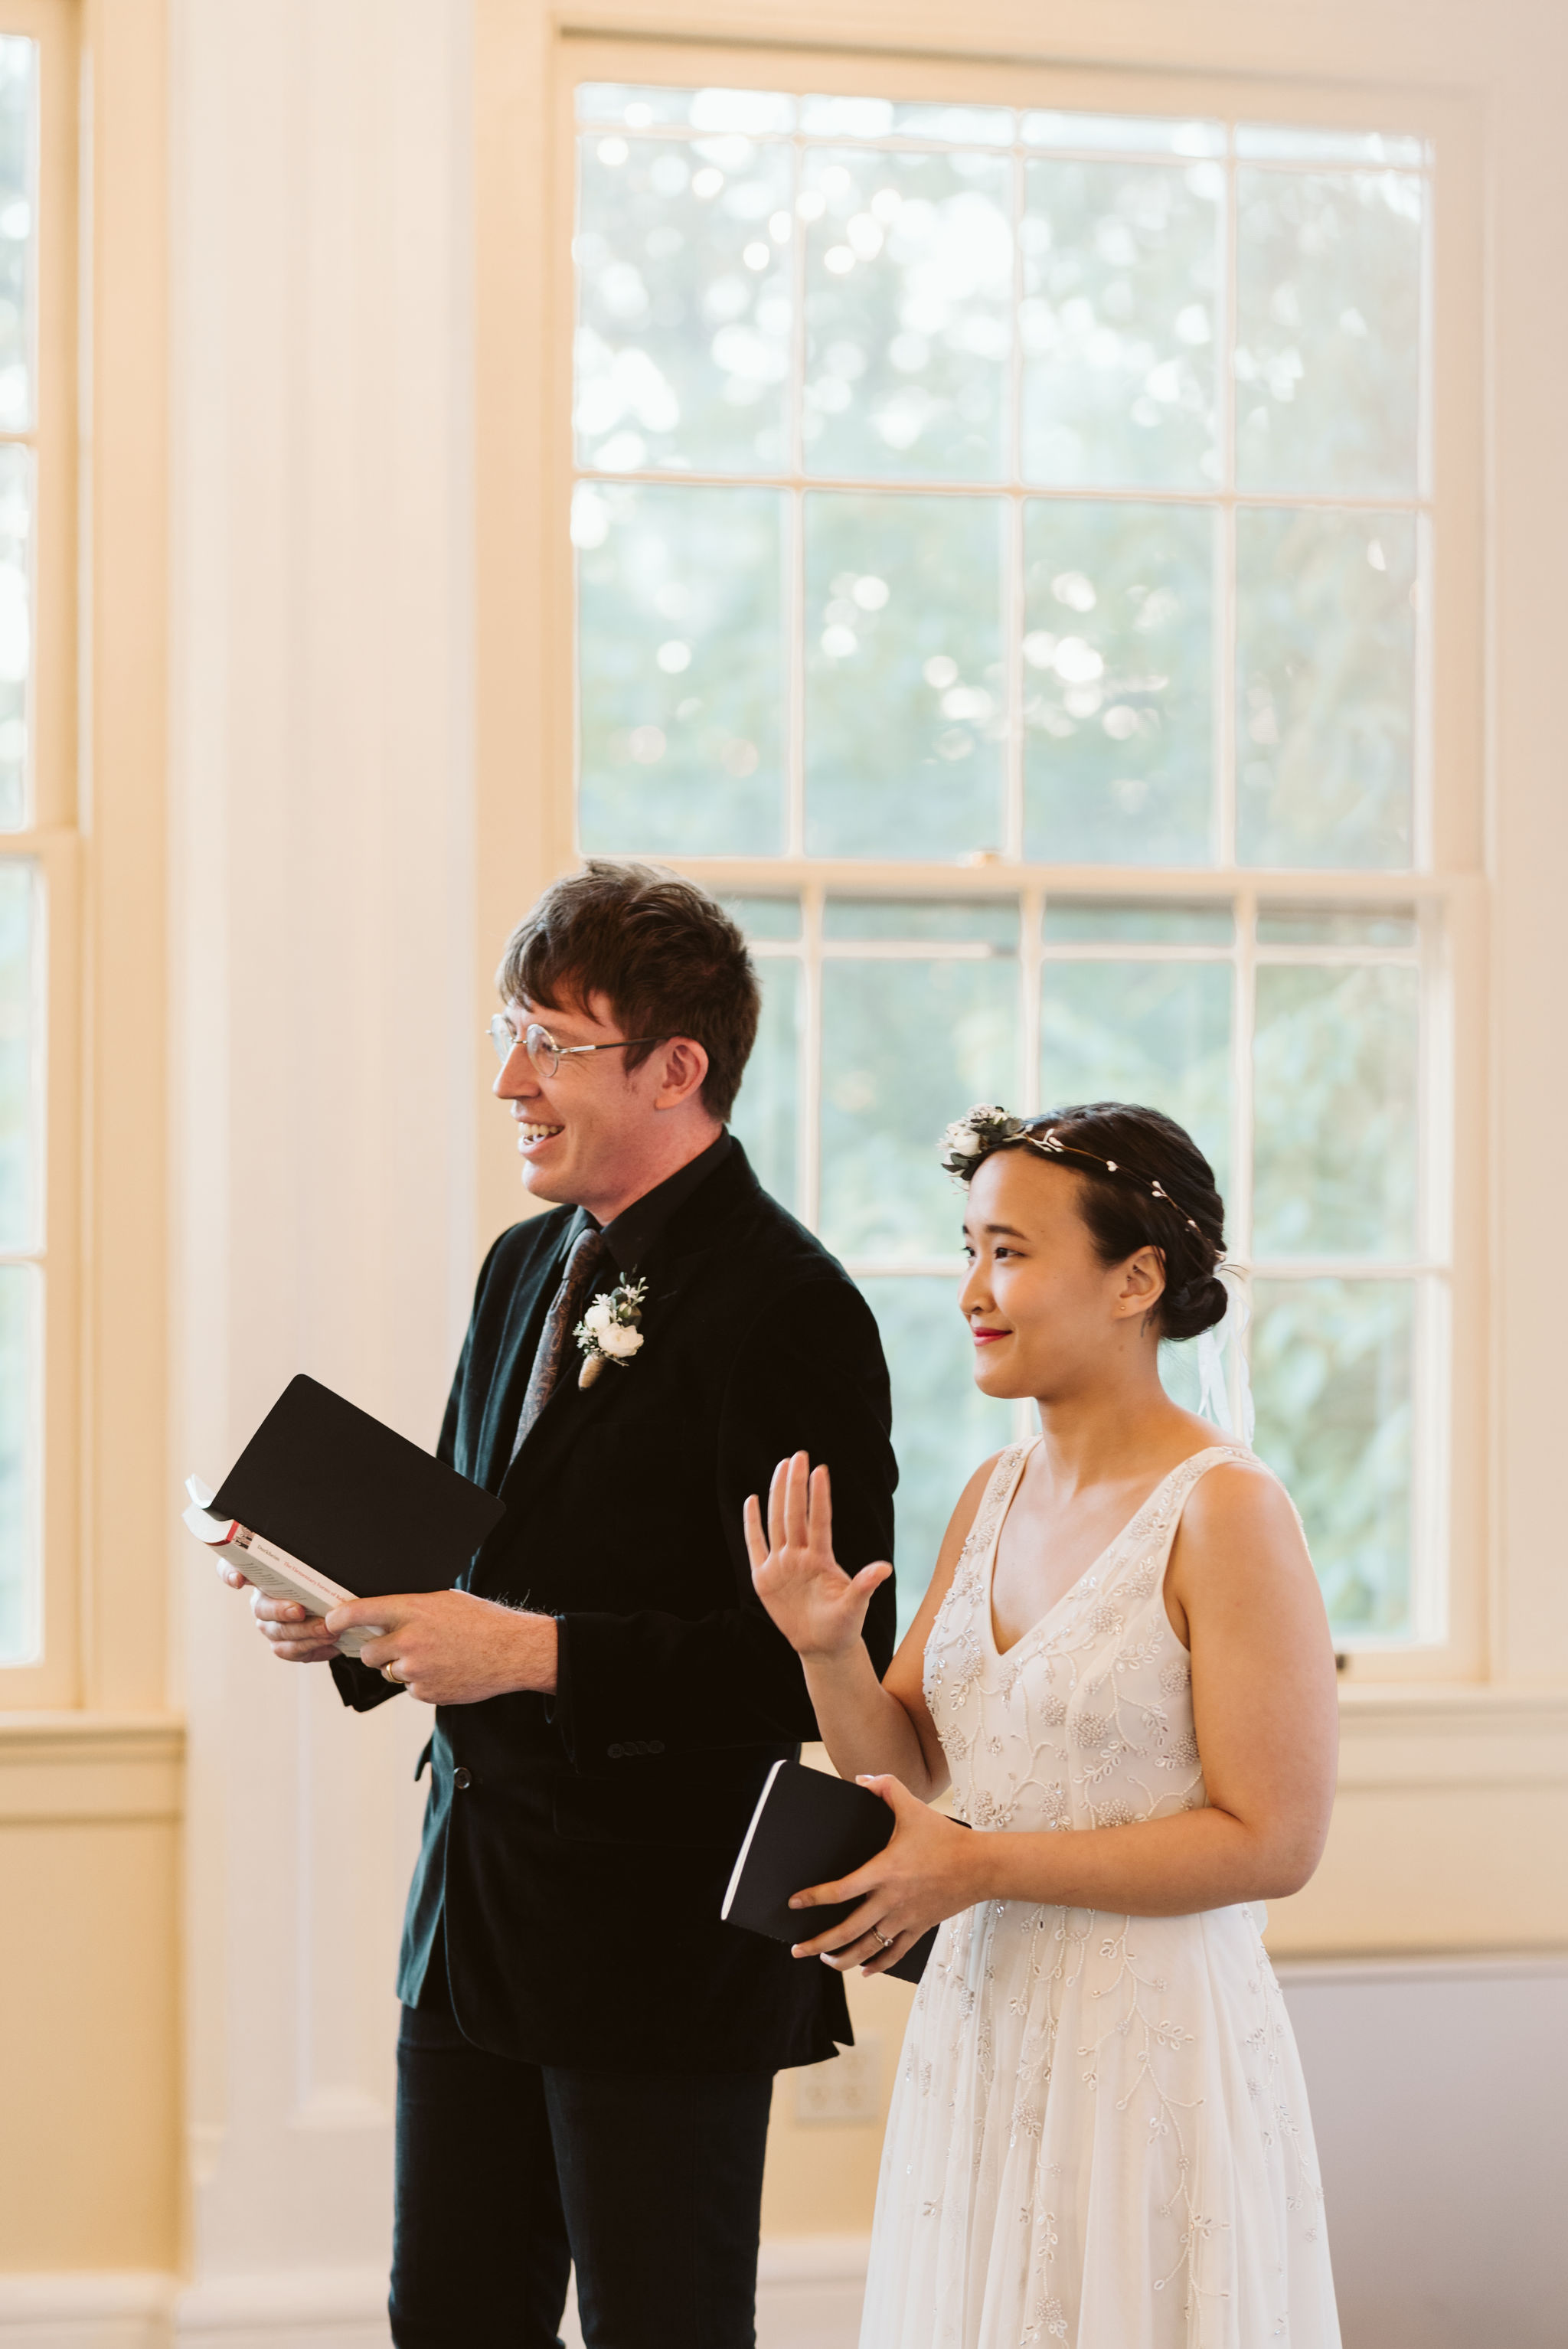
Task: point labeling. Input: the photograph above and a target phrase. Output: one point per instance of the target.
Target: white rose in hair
(618, 1340)
(967, 1139)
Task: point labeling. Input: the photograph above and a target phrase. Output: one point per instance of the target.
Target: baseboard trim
(809, 2289)
(289, 2308)
(808, 2292)
(126, 2309)
(306, 2308)
(787, 2260)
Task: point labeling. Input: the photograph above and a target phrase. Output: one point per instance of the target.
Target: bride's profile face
(1044, 1312)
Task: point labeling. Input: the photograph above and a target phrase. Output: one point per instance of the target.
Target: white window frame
(51, 845)
(99, 839)
(528, 712)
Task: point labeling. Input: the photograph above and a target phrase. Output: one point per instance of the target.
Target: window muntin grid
(1276, 580)
(954, 1000)
(1305, 763)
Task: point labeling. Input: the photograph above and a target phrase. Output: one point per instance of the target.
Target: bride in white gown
(1099, 2132)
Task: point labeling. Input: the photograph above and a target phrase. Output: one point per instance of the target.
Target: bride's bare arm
(868, 1726)
(1242, 1591)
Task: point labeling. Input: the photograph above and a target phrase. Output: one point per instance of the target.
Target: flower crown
(984, 1129)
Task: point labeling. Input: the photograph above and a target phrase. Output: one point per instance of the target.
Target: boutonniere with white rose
(610, 1331)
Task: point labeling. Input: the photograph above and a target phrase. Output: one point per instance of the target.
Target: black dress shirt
(635, 1230)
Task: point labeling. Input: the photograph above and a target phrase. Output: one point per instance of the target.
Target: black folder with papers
(809, 1829)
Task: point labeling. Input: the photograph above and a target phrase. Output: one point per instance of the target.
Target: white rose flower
(963, 1139)
(608, 1331)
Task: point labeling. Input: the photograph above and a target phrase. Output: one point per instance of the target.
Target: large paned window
(1004, 569)
(38, 842)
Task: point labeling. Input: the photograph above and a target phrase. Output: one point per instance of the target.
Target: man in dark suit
(587, 2053)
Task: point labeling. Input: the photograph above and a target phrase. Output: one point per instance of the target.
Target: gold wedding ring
(388, 1674)
(880, 1936)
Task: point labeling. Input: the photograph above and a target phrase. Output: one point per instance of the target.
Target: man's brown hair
(668, 957)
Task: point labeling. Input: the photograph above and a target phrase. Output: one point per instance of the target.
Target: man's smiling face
(586, 1134)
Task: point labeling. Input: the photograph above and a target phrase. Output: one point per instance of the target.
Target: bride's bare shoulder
(1237, 1506)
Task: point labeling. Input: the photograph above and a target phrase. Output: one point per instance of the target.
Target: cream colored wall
(322, 1178)
(326, 1046)
(89, 1992)
(821, 2176)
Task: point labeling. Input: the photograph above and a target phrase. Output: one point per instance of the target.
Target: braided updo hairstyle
(1123, 1215)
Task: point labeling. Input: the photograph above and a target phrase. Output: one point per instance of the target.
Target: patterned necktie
(565, 1313)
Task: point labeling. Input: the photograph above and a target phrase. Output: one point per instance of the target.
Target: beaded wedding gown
(1099, 2132)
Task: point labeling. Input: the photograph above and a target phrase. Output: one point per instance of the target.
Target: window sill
(1394, 1736)
(1411, 1734)
(80, 1766)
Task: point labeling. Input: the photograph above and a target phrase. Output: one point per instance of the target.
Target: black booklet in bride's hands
(809, 1829)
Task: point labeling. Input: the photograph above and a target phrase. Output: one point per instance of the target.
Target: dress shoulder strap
(1217, 1455)
(994, 1500)
(1153, 1529)
(1178, 1488)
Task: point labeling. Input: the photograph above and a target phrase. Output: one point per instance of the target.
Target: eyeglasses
(542, 1048)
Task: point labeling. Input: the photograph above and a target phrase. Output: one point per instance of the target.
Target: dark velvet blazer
(576, 1848)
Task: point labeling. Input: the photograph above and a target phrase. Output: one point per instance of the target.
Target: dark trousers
(650, 2183)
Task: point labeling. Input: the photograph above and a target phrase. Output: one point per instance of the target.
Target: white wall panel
(1437, 2105)
(324, 1059)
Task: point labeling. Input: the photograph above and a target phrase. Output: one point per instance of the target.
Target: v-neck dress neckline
(1009, 1494)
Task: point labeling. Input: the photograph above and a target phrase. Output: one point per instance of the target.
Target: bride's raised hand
(819, 1608)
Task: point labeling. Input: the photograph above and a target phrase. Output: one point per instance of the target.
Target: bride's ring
(879, 1937)
(388, 1674)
